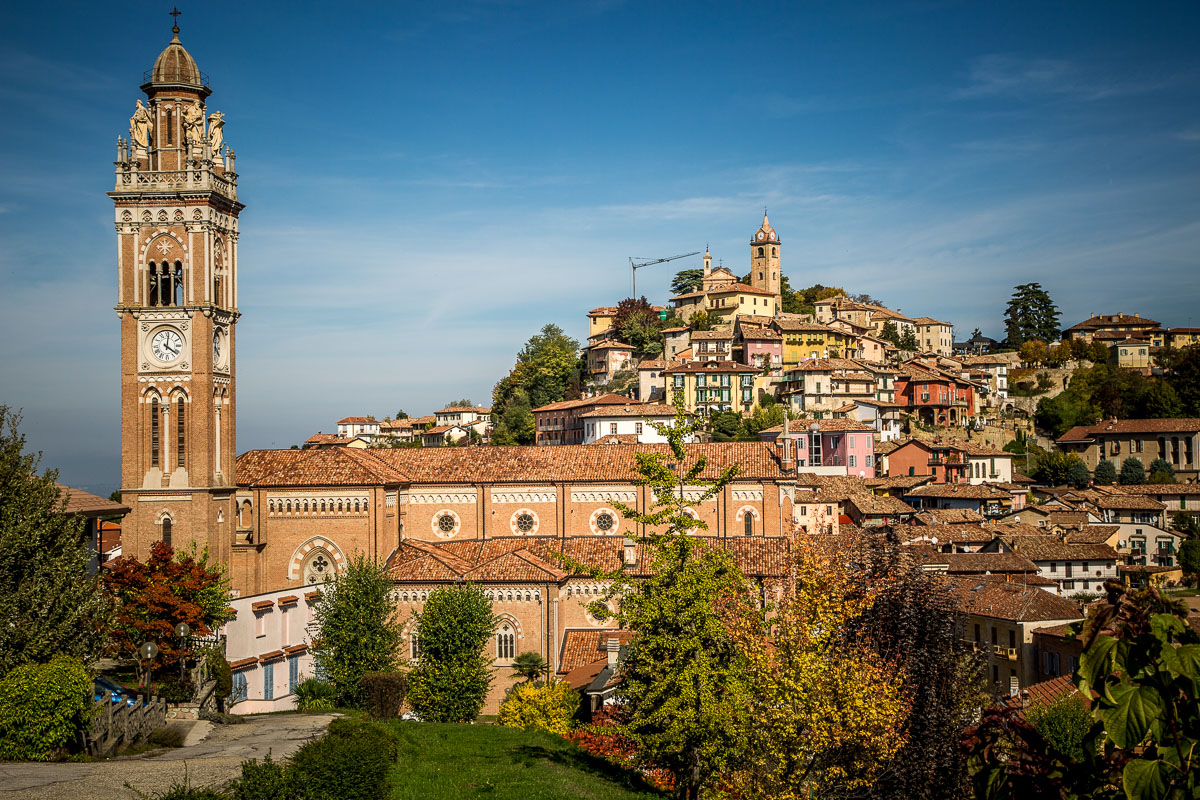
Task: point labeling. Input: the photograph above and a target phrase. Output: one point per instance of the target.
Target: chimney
(613, 645)
(630, 552)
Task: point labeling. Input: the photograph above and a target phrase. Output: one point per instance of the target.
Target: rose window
(605, 521)
(525, 523)
(446, 523)
(319, 569)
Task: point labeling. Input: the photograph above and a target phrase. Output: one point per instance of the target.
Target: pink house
(830, 443)
(761, 345)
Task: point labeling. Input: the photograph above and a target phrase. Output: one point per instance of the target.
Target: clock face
(217, 347)
(166, 345)
(760, 235)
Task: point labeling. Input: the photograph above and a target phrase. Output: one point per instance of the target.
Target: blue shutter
(269, 680)
(293, 673)
(240, 688)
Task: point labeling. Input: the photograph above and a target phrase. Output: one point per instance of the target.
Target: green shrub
(264, 780)
(451, 681)
(1065, 724)
(43, 707)
(350, 763)
(546, 706)
(314, 696)
(1105, 473)
(385, 693)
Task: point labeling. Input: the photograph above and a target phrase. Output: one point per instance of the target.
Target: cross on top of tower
(175, 12)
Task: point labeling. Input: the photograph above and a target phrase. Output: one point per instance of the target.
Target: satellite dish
(148, 651)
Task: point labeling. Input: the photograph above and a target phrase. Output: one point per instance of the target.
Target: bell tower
(176, 219)
(764, 261)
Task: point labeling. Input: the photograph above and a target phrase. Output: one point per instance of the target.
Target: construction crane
(634, 266)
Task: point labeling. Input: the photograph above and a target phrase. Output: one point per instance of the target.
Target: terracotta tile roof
(242, 663)
(519, 565)
(1093, 534)
(332, 467)
(271, 656)
(946, 533)
(326, 438)
(998, 599)
(826, 365)
(603, 311)
(86, 504)
(1050, 548)
(600, 400)
(1126, 502)
(358, 421)
(1159, 490)
(929, 321)
(885, 448)
(949, 516)
(1057, 631)
(461, 409)
(869, 504)
(1123, 427)
(582, 647)
(585, 675)
(572, 463)
(965, 491)
(717, 334)
(838, 425)
(798, 325)
(1111, 320)
(620, 438)
(657, 364)
(633, 410)
(611, 344)
(980, 563)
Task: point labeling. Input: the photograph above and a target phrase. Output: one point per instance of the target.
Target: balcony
(1011, 652)
(999, 649)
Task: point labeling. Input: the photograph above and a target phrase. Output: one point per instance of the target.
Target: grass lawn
(1183, 592)
(455, 762)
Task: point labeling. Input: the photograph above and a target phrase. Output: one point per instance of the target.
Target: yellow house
(600, 320)
(711, 387)
(803, 340)
(724, 303)
(1130, 354)
(1182, 337)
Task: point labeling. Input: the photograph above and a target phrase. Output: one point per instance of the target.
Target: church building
(284, 521)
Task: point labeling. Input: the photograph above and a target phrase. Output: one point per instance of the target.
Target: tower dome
(176, 67)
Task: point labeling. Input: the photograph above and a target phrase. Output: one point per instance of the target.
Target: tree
(1141, 662)
(726, 424)
(1097, 353)
(355, 629)
(548, 368)
(1064, 723)
(1105, 473)
(890, 333)
(1030, 314)
(826, 710)
(700, 321)
(153, 598)
(637, 325)
(1054, 468)
(1189, 556)
(683, 680)
(1161, 471)
(401, 414)
(452, 677)
(791, 302)
(530, 665)
(1079, 349)
(1133, 473)
(687, 280)
(1033, 351)
(1183, 375)
(49, 603)
(1058, 356)
(462, 402)
(1186, 524)
(908, 341)
(1077, 474)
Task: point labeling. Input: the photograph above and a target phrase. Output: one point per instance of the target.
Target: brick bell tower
(764, 261)
(177, 230)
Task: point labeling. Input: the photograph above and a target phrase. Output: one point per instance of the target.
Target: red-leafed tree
(152, 598)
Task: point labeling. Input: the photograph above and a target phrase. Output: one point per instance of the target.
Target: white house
(356, 426)
(266, 643)
(630, 422)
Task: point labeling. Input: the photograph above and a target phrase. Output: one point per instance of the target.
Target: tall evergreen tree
(49, 603)
(1030, 314)
(687, 280)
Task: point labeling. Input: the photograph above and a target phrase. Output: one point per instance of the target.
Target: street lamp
(147, 652)
(182, 630)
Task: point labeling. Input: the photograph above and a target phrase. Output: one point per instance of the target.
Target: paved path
(214, 761)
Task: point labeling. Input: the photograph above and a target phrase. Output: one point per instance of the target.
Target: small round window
(605, 521)
(525, 523)
(446, 523)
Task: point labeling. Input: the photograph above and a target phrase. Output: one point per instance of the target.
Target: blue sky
(427, 185)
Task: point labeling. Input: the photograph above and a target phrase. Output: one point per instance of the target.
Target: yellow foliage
(827, 712)
(546, 706)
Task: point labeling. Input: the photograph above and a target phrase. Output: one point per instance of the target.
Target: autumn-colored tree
(827, 711)
(152, 598)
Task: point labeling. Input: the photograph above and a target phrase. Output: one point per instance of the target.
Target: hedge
(43, 708)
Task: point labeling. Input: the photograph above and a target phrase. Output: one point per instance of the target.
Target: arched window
(748, 523)
(774, 251)
(761, 252)
(179, 437)
(414, 651)
(177, 284)
(154, 432)
(506, 643)
(244, 515)
(170, 131)
(166, 531)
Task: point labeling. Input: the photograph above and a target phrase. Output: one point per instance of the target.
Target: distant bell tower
(177, 229)
(764, 261)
